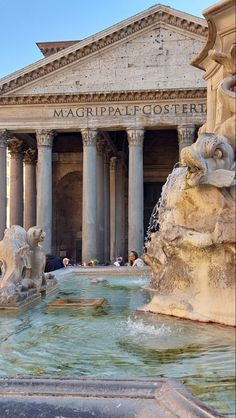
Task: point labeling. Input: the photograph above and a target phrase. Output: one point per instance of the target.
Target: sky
(25, 22)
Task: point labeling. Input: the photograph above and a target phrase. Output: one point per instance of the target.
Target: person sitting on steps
(134, 260)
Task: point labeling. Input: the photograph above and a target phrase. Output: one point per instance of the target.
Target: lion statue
(22, 258)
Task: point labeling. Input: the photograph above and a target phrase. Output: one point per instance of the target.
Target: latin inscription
(144, 110)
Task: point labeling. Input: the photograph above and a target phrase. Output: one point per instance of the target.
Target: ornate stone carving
(160, 15)
(30, 156)
(210, 160)
(191, 239)
(100, 146)
(22, 259)
(106, 97)
(225, 123)
(135, 136)
(107, 156)
(4, 136)
(45, 137)
(191, 242)
(186, 134)
(15, 147)
(228, 61)
(89, 137)
(113, 163)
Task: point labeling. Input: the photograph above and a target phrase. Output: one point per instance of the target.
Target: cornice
(118, 96)
(94, 44)
(49, 48)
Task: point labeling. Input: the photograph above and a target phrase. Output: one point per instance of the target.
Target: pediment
(85, 66)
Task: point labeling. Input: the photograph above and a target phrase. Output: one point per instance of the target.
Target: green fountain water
(116, 340)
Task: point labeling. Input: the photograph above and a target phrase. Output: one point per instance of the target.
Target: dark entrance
(152, 193)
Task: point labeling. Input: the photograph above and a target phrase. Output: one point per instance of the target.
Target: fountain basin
(115, 341)
(100, 398)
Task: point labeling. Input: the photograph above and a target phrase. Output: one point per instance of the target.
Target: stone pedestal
(89, 221)
(135, 205)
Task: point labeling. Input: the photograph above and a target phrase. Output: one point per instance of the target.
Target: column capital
(4, 136)
(45, 137)
(30, 156)
(15, 147)
(186, 133)
(100, 146)
(113, 163)
(106, 157)
(89, 137)
(135, 136)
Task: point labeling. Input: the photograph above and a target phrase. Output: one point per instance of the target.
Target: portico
(87, 164)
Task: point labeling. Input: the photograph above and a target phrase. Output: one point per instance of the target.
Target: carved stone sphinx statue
(22, 262)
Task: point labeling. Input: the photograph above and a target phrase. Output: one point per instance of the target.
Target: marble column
(16, 181)
(135, 196)
(106, 208)
(186, 136)
(100, 200)
(44, 184)
(30, 188)
(3, 179)
(89, 217)
(113, 167)
(120, 209)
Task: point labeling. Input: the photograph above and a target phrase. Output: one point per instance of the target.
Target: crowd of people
(54, 262)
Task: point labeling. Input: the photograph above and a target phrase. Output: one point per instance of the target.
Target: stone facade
(82, 108)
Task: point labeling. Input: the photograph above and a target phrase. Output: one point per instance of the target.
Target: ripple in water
(138, 326)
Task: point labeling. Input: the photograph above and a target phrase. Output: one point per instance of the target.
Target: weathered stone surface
(22, 261)
(193, 252)
(114, 78)
(101, 398)
(121, 65)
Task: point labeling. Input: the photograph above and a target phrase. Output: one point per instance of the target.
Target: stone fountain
(190, 243)
(22, 262)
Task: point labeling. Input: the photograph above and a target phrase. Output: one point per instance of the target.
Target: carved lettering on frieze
(129, 110)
